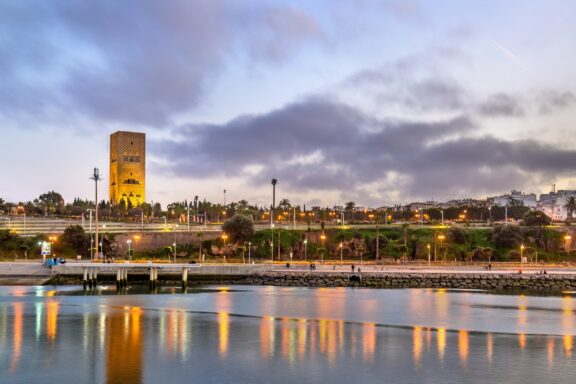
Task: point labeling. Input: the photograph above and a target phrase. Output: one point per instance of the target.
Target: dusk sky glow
(374, 101)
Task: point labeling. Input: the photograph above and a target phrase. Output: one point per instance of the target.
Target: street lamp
(567, 239)
(165, 224)
(305, 249)
(52, 241)
(428, 246)
(322, 238)
(522, 253)
(249, 246)
(224, 238)
(96, 178)
(129, 241)
(441, 238)
(174, 244)
(341, 253)
(102, 241)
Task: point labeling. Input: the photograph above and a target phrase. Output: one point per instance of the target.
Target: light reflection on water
(255, 334)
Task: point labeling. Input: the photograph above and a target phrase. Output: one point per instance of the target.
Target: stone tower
(128, 168)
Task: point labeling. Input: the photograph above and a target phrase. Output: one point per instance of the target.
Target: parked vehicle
(54, 261)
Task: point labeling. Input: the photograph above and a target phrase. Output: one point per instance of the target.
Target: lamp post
(341, 253)
(102, 241)
(52, 241)
(249, 246)
(442, 215)
(377, 240)
(129, 241)
(272, 241)
(174, 244)
(224, 238)
(165, 223)
(428, 246)
(322, 238)
(567, 239)
(305, 249)
(441, 238)
(96, 178)
(273, 182)
(90, 212)
(522, 253)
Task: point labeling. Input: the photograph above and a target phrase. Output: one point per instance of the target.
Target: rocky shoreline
(499, 282)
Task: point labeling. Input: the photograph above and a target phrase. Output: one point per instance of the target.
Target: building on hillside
(514, 198)
(553, 204)
(128, 168)
(417, 206)
(463, 203)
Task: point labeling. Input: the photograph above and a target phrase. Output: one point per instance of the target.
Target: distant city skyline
(377, 102)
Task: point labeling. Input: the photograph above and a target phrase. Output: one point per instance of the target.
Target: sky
(379, 102)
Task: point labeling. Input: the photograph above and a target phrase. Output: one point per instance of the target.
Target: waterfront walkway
(33, 273)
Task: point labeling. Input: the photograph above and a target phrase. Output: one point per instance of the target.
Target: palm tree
(284, 204)
(350, 206)
(570, 206)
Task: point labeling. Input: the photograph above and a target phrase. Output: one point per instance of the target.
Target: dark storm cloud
(551, 101)
(399, 85)
(501, 104)
(134, 61)
(320, 145)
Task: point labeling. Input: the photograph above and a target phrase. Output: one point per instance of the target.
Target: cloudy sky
(374, 101)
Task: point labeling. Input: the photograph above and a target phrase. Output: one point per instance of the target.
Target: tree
(507, 236)
(239, 228)
(284, 204)
(50, 202)
(157, 210)
(536, 219)
(458, 235)
(75, 237)
(570, 206)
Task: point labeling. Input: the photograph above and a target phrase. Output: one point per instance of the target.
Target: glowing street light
(441, 238)
(224, 238)
(428, 246)
(341, 253)
(567, 239)
(129, 242)
(522, 252)
(322, 238)
(305, 249)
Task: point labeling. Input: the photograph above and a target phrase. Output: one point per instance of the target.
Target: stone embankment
(415, 280)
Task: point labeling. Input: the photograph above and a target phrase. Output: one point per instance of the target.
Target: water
(283, 335)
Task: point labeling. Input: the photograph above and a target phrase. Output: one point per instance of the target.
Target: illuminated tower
(128, 168)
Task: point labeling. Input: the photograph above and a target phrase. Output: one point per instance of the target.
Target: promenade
(23, 273)
(33, 273)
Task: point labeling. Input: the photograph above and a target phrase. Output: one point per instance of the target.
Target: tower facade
(128, 168)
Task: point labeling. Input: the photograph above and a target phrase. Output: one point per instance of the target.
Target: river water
(245, 334)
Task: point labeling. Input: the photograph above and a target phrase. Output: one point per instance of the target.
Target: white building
(553, 204)
(514, 197)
